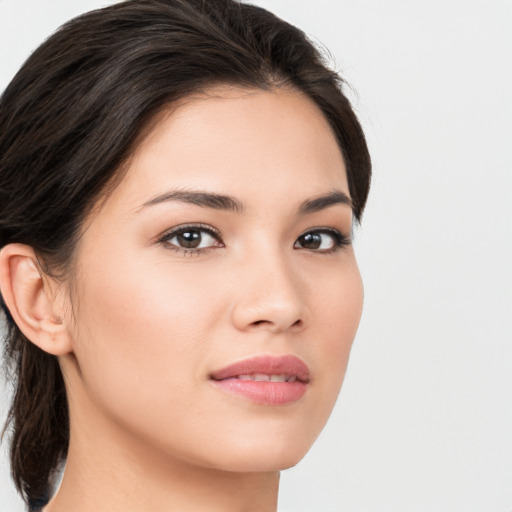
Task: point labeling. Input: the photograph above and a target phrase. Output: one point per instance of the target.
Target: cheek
(141, 331)
(337, 304)
(337, 312)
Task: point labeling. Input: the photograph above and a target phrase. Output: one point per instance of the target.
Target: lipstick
(266, 380)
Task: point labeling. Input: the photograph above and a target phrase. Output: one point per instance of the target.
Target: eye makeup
(314, 240)
(192, 239)
(198, 238)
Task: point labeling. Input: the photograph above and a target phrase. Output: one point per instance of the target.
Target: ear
(32, 299)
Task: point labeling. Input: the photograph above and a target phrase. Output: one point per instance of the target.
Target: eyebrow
(203, 199)
(229, 203)
(321, 202)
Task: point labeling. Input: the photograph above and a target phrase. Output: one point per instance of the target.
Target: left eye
(320, 240)
(192, 238)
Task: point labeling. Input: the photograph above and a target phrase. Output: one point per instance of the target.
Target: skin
(145, 323)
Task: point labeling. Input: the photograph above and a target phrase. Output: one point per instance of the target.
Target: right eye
(192, 238)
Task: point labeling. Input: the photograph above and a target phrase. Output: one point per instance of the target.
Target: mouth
(266, 380)
(263, 377)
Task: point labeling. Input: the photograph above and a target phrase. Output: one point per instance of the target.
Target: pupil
(189, 239)
(311, 241)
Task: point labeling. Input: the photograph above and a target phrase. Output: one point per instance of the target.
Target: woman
(179, 180)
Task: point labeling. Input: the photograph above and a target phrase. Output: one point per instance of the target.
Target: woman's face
(227, 240)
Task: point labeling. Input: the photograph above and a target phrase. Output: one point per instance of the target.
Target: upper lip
(265, 364)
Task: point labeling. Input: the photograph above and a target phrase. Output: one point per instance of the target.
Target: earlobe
(31, 301)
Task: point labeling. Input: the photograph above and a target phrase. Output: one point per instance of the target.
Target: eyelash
(340, 240)
(178, 230)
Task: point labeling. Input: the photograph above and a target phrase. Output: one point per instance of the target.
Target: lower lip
(264, 392)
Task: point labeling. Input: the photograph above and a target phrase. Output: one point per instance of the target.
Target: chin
(266, 455)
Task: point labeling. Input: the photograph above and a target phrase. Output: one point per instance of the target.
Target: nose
(270, 296)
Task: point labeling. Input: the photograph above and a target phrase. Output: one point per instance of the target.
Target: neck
(193, 491)
(107, 470)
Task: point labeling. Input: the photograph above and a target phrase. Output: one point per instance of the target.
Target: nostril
(297, 323)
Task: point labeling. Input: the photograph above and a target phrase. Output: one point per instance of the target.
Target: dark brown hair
(71, 117)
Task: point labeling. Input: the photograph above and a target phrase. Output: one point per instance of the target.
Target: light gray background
(424, 421)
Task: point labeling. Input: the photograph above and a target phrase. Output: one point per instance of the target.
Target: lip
(265, 392)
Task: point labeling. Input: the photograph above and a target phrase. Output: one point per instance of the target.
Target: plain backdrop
(424, 420)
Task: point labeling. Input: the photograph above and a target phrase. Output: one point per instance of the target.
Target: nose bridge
(271, 296)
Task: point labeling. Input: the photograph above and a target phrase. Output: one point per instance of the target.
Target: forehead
(241, 142)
